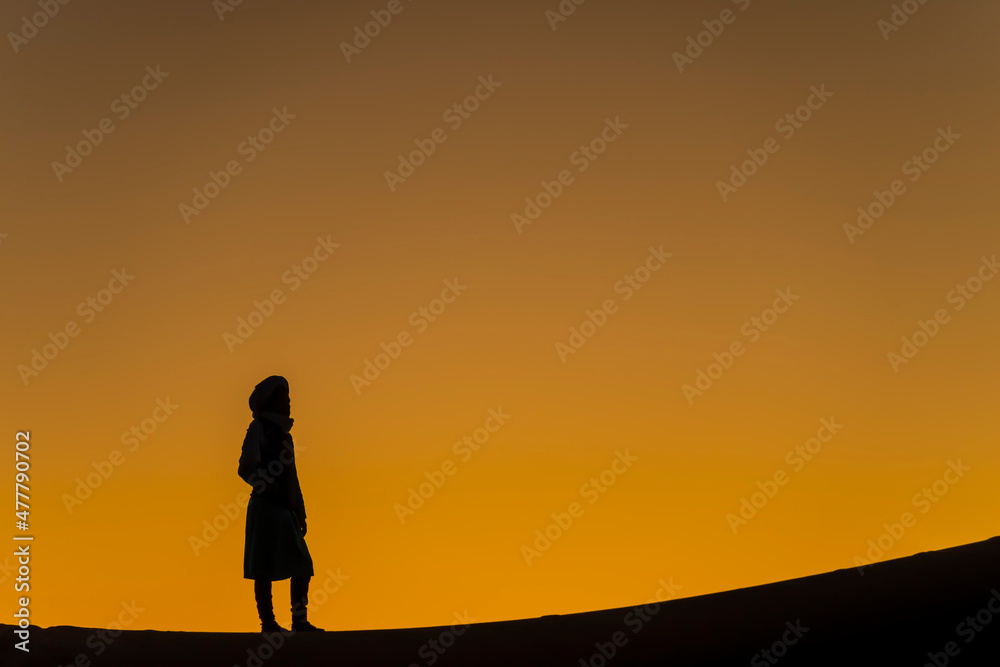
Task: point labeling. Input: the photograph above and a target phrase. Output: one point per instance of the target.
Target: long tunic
(275, 548)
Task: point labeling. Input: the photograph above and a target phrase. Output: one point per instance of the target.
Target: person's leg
(300, 599)
(265, 607)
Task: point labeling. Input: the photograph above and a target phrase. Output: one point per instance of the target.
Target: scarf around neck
(283, 422)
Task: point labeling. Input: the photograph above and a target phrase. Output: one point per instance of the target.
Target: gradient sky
(495, 346)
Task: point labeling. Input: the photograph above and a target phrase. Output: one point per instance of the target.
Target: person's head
(271, 395)
(279, 402)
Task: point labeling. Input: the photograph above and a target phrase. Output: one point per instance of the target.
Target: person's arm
(250, 469)
(250, 455)
(300, 504)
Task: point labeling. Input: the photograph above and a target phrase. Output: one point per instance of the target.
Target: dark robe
(275, 547)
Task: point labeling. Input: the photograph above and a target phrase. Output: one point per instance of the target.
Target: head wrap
(260, 404)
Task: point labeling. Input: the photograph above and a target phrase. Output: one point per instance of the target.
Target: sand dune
(908, 611)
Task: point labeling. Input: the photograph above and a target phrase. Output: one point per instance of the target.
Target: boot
(300, 598)
(265, 608)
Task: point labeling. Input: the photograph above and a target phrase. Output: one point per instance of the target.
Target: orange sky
(250, 165)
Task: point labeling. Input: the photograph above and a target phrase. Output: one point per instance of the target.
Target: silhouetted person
(276, 515)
